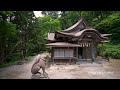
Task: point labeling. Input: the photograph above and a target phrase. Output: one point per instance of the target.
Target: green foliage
(22, 25)
(47, 23)
(109, 50)
(111, 25)
(25, 21)
(14, 57)
(7, 29)
(7, 32)
(68, 18)
(42, 26)
(92, 18)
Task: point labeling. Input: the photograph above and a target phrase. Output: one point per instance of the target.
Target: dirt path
(18, 71)
(84, 70)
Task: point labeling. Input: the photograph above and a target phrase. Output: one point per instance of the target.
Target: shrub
(109, 50)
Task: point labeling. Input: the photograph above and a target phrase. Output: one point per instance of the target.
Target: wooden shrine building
(75, 43)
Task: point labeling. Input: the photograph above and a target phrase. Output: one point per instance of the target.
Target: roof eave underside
(62, 44)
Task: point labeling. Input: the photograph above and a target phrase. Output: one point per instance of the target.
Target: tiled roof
(75, 31)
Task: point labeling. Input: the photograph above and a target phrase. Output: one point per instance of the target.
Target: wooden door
(87, 52)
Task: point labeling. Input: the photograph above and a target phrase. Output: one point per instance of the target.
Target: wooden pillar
(77, 53)
(83, 52)
(52, 55)
(70, 61)
(93, 52)
(102, 50)
(86, 52)
(69, 56)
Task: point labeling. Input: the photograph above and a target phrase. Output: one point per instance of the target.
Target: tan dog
(38, 64)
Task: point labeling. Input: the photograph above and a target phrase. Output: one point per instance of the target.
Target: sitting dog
(38, 64)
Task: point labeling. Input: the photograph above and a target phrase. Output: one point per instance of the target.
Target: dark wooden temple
(78, 42)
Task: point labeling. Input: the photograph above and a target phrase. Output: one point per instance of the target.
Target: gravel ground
(100, 69)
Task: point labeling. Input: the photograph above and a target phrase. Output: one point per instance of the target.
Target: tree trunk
(24, 41)
(2, 52)
(22, 49)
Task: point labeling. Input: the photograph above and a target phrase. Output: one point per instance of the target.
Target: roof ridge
(74, 25)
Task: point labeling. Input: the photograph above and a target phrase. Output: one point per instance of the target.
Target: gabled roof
(64, 33)
(89, 30)
(71, 29)
(80, 33)
(76, 31)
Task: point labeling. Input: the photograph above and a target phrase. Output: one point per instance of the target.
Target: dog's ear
(43, 59)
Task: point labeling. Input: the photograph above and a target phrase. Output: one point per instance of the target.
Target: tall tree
(111, 25)
(68, 18)
(92, 18)
(47, 23)
(24, 21)
(7, 31)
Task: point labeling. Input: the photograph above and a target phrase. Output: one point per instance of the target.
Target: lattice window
(63, 52)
